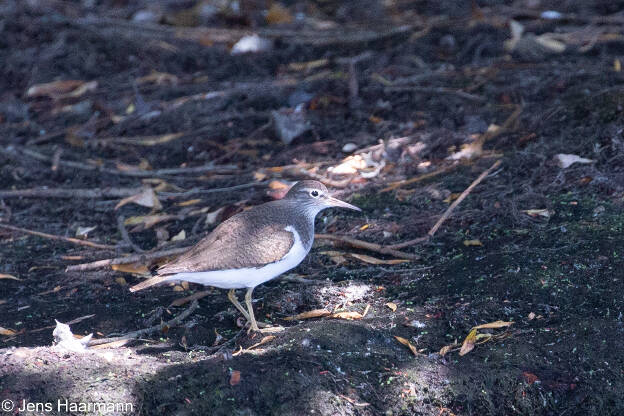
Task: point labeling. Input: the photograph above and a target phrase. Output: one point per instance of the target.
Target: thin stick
(58, 237)
(437, 90)
(70, 193)
(393, 185)
(16, 154)
(198, 191)
(449, 210)
(368, 246)
(156, 328)
(126, 260)
(125, 236)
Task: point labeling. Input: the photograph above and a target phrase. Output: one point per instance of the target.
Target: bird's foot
(266, 329)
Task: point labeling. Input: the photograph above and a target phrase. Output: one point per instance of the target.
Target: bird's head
(315, 197)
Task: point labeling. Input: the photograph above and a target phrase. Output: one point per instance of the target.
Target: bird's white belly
(250, 276)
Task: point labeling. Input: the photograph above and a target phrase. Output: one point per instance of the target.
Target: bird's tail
(150, 282)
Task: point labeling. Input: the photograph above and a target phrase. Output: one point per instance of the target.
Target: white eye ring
(314, 194)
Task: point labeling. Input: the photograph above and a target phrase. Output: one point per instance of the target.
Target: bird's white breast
(250, 276)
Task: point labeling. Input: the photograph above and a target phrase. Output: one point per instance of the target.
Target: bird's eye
(315, 194)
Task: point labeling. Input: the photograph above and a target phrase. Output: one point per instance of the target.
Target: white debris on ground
(65, 339)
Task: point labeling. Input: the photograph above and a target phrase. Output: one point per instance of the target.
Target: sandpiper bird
(253, 246)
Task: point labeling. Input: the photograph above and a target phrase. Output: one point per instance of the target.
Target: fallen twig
(156, 328)
(200, 191)
(398, 184)
(449, 210)
(70, 193)
(126, 260)
(368, 246)
(17, 154)
(437, 90)
(124, 235)
(58, 237)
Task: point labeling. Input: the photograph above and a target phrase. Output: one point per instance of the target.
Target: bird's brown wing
(232, 246)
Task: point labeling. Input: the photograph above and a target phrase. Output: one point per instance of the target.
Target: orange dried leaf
(278, 14)
(346, 315)
(7, 332)
(135, 268)
(392, 306)
(263, 341)
(446, 349)
(407, 344)
(189, 202)
(469, 342)
(8, 276)
(374, 260)
(316, 313)
(235, 377)
(494, 325)
(278, 185)
(529, 377)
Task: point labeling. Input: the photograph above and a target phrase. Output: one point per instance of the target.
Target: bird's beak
(334, 202)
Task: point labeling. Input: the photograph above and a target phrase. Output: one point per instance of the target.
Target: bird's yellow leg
(232, 297)
(252, 320)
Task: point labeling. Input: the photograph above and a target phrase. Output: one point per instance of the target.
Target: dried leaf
(178, 288)
(159, 78)
(189, 202)
(278, 14)
(148, 221)
(538, 213)
(349, 166)
(373, 260)
(179, 236)
(407, 344)
(263, 341)
(337, 257)
(83, 232)
(469, 342)
(61, 89)
(566, 160)
(392, 306)
(259, 176)
(146, 198)
(494, 325)
(147, 140)
(531, 316)
(235, 377)
(8, 276)
(134, 268)
(211, 217)
(446, 349)
(346, 315)
(279, 185)
(316, 313)
(529, 377)
(121, 281)
(469, 151)
(7, 332)
(470, 243)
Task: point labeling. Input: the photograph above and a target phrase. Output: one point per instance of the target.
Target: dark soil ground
(558, 277)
